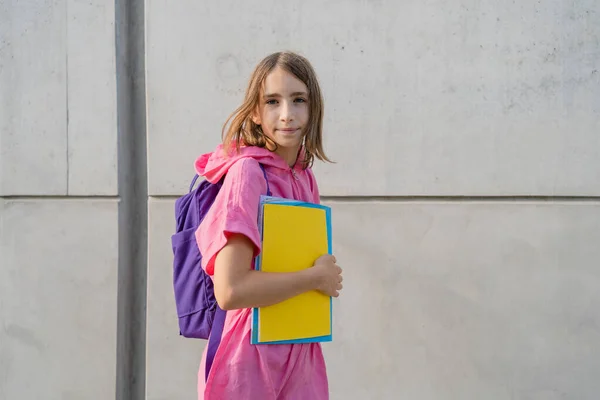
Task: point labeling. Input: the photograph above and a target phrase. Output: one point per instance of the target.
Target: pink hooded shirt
(241, 370)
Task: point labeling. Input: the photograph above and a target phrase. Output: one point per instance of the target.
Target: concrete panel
(33, 98)
(92, 98)
(190, 88)
(422, 98)
(466, 301)
(172, 361)
(441, 301)
(58, 299)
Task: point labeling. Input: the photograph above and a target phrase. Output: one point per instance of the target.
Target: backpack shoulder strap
(266, 179)
(193, 182)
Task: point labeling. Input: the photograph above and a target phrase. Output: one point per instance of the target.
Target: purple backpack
(199, 315)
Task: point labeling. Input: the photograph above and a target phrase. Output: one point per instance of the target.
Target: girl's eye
(300, 100)
(271, 102)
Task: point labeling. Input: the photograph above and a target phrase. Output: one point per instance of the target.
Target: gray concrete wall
(466, 193)
(59, 200)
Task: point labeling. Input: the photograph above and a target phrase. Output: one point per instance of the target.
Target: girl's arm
(238, 286)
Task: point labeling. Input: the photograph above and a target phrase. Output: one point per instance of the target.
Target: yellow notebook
(294, 234)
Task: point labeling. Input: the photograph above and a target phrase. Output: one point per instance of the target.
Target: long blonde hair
(240, 129)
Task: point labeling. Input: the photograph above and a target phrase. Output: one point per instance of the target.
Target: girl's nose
(286, 112)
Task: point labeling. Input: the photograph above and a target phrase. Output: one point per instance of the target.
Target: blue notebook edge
(256, 311)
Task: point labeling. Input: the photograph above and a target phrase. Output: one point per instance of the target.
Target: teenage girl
(278, 126)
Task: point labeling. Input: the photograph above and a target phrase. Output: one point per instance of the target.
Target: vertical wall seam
(133, 204)
(67, 92)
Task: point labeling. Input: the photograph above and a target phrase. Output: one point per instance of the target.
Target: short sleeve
(235, 211)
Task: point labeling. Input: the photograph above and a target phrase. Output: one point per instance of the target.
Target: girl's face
(283, 112)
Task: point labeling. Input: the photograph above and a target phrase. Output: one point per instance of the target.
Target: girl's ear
(256, 117)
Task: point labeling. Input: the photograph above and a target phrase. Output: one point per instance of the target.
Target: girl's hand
(328, 275)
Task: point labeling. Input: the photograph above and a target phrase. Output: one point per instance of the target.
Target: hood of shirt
(214, 165)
